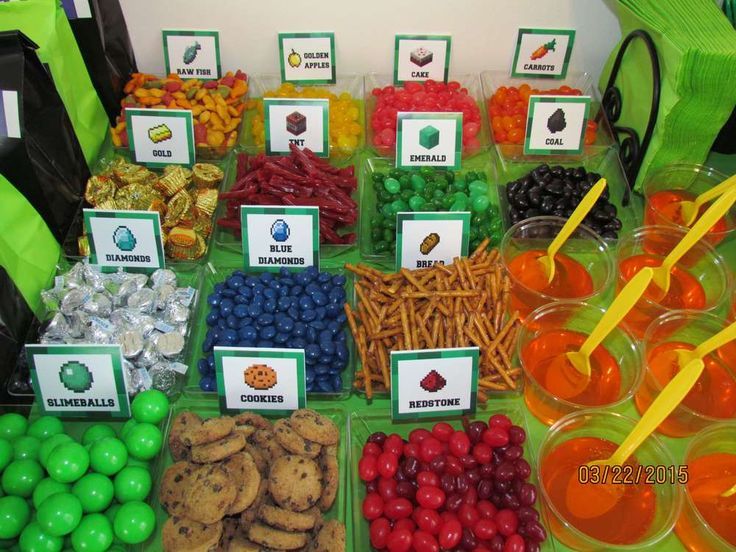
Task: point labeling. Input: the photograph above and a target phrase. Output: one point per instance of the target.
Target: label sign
(160, 137)
(79, 380)
(426, 239)
(429, 139)
(434, 383)
(192, 54)
(128, 239)
(543, 53)
(305, 123)
(9, 114)
(276, 236)
(260, 379)
(421, 57)
(556, 124)
(76, 9)
(307, 57)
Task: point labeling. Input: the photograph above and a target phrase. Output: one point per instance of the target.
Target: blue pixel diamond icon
(124, 239)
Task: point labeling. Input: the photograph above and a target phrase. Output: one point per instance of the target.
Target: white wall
(483, 31)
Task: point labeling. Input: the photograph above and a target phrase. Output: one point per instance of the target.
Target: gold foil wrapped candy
(186, 200)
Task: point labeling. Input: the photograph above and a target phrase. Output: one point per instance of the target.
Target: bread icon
(260, 376)
(429, 243)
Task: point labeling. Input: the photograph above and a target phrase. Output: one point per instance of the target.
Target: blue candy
(241, 311)
(230, 335)
(236, 281)
(300, 329)
(306, 303)
(208, 383)
(281, 338)
(213, 299)
(249, 332)
(203, 366)
(265, 319)
(233, 322)
(267, 332)
(308, 315)
(213, 317)
(312, 351)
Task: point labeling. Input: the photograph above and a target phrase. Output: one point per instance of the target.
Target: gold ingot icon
(159, 133)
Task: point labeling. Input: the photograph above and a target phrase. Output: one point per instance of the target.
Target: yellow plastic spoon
(565, 383)
(714, 342)
(587, 501)
(730, 492)
(719, 208)
(690, 209)
(580, 212)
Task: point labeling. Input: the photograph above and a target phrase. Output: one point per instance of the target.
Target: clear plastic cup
(642, 517)
(711, 469)
(553, 388)
(713, 398)
(584, 264)
(701, 280)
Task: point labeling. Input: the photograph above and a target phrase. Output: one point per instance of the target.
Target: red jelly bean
(428, 478)
(425, 542)
(496, 437)
(387, 464)
(450, 534)
(442, 431)
(373, 506)
(459, 443)
(427, 520)
(368, 468)
(399, 541)
(397, 508)
(507, 522)
(379, 531)
(430, 497)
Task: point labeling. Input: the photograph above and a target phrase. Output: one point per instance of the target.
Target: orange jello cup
(700, 281)
(584, 265)
(639, 519)
(713, 398)
(552, 386)
(666, 187)
(708, 521)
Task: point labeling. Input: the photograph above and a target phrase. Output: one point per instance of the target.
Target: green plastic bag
(45, 22)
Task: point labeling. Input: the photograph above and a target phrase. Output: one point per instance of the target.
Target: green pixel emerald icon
(429, 137)
(76, 377)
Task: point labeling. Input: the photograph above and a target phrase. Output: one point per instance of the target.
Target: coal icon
(556, 121)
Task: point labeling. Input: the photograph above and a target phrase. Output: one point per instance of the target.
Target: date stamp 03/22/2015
(631, 474)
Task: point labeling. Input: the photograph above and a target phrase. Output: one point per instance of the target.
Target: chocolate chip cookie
(295, 482)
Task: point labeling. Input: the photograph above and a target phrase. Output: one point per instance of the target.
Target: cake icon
(421, 57)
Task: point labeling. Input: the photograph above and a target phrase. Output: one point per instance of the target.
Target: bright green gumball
(134, 522)
(6, 453)
(26, 447)
(21, 477)
(150, 406)
(94, 491)
(59, 514)
(93, 534)
(46, 488)
(68, 462)
(108, 455)
(14, 516)
(127, 426)
(111, 511)
(35, 539)
(145, 464)
(144, 441)
(97, 432)
(132, 483)
(45, 427)
(50, 444)
(12, 426)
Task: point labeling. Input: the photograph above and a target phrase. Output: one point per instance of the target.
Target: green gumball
(93, 534)
(46, 488)
(134, 522)
(21, 477)
(26, 447)
(6, 453)
(45, 427)
(14, 516)
(111, 511)
(108, 455)
(145, 464)
(143, 441)
(94, 491)
(12, 426)
(127, 426)
(50, 444)
(68, 462)
(132, 484)
(150, 406)
(59, 514)
(35, 539)
(97, 432)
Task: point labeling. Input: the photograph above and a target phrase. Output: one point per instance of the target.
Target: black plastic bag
(108, 54)
(15, 321)
(46, 164)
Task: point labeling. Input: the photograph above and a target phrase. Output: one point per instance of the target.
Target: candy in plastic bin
(163, 276)
(78, 321)
(170, 344)
(164, 293)
(142, 300)
(93, 277)
(57, 327)
(136, 379)
(176, 313)
(163, 378)
(100, 330)
(75, 277)
(149, 355)
(126, 289)
(131, 343)
(98, 305)
(185, 295)
(50, 300)
(73, 299)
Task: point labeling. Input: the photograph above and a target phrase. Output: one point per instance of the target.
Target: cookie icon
(260, 376)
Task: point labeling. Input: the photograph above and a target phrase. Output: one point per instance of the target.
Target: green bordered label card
(276, 236)
(421, 57)
(160, 137)
(556, 125)
(425, 239)
(271, 381)
(305, 123)
(434, 383)
(128, 239)
(79, 380)
(307, 58)
(192, 54)
(429, 139)
(543, 53)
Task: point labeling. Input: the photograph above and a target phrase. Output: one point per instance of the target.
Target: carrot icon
(544, 49)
